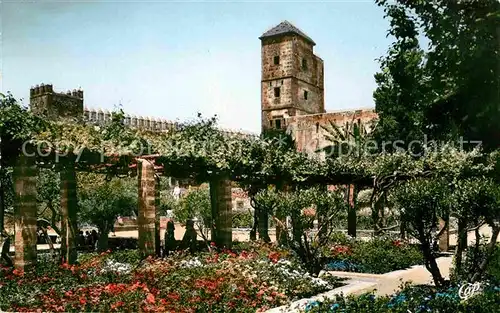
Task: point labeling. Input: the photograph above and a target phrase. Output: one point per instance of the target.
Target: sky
(174, 59)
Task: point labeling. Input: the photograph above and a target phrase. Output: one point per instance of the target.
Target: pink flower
(150, 298)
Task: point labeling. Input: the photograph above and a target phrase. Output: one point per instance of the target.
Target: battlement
(102, 117)
(46, 102)
(54, 105)
(43, 89)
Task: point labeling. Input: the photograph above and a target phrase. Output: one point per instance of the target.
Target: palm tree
(347, 141)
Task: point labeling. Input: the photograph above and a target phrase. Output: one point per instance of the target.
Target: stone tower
(292, 76)
(53, 105)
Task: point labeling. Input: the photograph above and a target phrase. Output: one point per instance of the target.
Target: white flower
(191, 263)
(114, 266)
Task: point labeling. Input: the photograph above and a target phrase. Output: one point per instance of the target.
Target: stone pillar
(69, 208)
(444, 239)
(148, 233)
(25, 174)
(222, 209)
(157, 218)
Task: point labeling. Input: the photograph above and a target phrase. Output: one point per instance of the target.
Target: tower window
(304, 64)
(277, 91)
(278, 124)
(276, 59)
(305, 94)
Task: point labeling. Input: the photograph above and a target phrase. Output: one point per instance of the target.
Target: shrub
(243, 219)
(377, 256)
(417, 299)
(476, 255)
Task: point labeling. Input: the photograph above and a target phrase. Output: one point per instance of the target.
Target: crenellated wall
(46, 102)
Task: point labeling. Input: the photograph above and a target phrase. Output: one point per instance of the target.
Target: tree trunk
(220, 198)
(69, 224)
(461, 245)
(253, 231)
(25, 174)
(431, 264)
(351, 213)
(264, 225)
(376, 207)
(402, 229)
(2, 199)
(491, 249)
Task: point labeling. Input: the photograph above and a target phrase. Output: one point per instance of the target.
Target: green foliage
(378, 255)
(448, 90)
(324, 205)
(48, 196)
(17, 125)
(421, 203)
(473, 257)
(242, 219)
(412, 299)
(195, 204)
(101, 202)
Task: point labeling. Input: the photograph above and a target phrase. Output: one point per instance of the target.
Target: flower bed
(417, 299)
(377, 256)
(227, 281)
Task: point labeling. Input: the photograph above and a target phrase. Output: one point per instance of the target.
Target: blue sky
(174, 59)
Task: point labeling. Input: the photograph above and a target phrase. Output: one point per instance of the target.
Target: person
(177, 192)
(81, 240)
(87, 239)
(190, 236)
(95, 238)
(6, 249)
(170, 243)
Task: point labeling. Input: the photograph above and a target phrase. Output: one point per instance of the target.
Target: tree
(17, 125)
(450, 89)
(101, 202)
(475, 202)
(304, 206)
(402, 82)
(195, 205)
(349, 141)
(48, 197)
(421, 202)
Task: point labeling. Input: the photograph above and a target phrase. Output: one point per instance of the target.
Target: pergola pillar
(148, 230)
(69, 208)
(25, 174)
(222, 209)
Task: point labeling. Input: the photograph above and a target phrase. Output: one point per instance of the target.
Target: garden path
(382, 284)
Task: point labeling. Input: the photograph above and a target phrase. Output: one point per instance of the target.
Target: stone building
(292, 89)
(53, 105)
(46, 102)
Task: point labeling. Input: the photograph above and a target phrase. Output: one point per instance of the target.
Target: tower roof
(285, 28)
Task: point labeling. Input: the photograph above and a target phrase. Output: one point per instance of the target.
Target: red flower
(18, 272)
(341, 250)
(117, 305)
(212, 244)
(173, 296)
(150, 298)
(274, 256)
(83, 301)
(397, 243)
